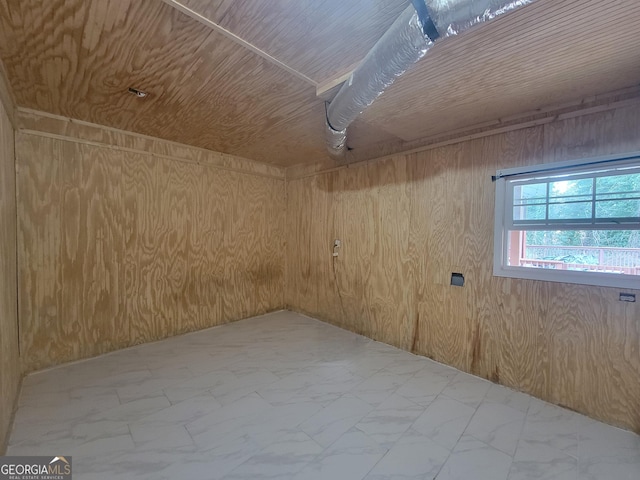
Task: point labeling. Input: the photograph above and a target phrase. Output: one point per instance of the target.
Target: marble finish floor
(284, 396)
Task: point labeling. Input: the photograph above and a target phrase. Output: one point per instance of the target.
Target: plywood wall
(408, 222)
(9, 355)
(120, 246)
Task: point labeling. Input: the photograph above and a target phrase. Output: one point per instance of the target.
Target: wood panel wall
(406, 223)
(10, 374)
(120, 245)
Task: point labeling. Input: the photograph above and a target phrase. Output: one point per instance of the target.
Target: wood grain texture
(121, 247)
(10, 369)
(391, 146)
(528, 59)
(407, 223)
(76, 58)
(6, 95)
(93, 134)
(299, 224)
(180, 6)
(204, 89)
(318, 39)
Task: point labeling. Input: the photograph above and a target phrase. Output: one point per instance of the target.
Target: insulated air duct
(406, 42)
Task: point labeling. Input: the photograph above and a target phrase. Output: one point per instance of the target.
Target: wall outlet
(457, 280)
(627, 297)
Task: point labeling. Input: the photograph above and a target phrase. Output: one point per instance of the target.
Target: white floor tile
(497, 425)
(414, 456)
(536, 461)
(444, 421)
(505, 396)
(473, 459)
(377, 388)
(608, 452)
(425, 386)
(387, 423)
(552, 426)
(283, 396)
(283, 458)
(351, 457)
(467, 389)
(330, 423)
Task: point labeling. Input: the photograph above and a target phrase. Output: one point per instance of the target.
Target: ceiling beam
(232, 36)
(328, 89)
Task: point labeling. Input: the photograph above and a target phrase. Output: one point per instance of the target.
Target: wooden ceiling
(242, 76)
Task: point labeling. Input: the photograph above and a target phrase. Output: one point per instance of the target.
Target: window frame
(501, 226)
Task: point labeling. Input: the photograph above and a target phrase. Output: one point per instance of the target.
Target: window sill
(612, 280)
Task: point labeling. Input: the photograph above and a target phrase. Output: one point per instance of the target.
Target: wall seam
(164, 141)
(66, 138)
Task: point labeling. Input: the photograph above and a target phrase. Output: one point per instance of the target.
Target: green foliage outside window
(572, 199)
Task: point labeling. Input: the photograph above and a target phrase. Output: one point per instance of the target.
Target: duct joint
(428, 26)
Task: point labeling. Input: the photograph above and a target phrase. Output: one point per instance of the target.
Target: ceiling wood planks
(242, 77)
(544, 54)
(321, 40)
(206, 21)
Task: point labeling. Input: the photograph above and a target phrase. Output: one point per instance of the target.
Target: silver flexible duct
(399, 48)
(452, 17)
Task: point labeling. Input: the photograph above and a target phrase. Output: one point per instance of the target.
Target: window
(574, 222)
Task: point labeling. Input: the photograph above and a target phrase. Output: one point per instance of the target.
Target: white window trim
(500, 267)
